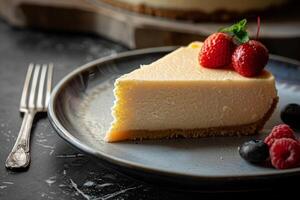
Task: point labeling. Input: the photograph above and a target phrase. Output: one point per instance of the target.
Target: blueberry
(254, 151)
(290, 115)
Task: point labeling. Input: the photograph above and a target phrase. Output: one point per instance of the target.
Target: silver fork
(35, 98)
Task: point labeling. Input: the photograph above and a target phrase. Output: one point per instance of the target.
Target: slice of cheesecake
(175, 96)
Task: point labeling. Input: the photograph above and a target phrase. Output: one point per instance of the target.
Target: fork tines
(37, 87)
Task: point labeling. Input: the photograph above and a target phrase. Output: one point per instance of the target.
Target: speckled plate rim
(67, 136)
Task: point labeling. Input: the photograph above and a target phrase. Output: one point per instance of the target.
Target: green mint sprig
(237, 31)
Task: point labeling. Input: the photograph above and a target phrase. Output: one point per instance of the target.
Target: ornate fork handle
(35, 97)
(19, 157)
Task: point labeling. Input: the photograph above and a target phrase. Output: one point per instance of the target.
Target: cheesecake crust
(241, 130)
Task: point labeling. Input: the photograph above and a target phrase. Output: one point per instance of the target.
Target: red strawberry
(250, 58)
(280, 131)
(285, 153)
(216, 51)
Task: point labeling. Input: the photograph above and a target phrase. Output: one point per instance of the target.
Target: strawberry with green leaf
(248, 58)
(238, 31)
(216, 51)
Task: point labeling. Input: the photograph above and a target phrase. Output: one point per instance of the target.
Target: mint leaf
(242, 36)
(238, 31)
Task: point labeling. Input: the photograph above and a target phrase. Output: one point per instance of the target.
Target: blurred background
(149, 23)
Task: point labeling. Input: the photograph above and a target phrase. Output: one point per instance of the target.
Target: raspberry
(250, 58)
(216, 51)
(285, 153)
(280, 131)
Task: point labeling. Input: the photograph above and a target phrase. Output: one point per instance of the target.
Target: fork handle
(19, 157)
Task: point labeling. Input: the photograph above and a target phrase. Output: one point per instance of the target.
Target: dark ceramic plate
(80, 112)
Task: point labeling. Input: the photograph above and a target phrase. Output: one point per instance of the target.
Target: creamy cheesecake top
(183, 65)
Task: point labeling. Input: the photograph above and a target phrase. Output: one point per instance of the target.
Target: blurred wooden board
(131, 29)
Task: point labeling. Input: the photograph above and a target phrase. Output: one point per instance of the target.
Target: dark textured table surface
(57, 171)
